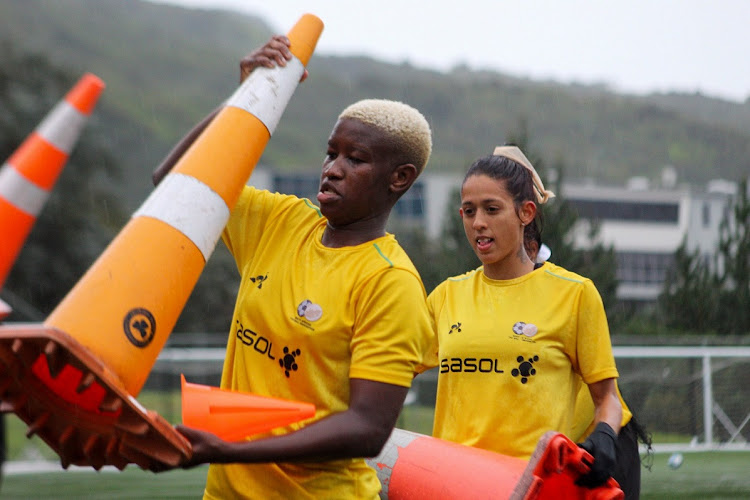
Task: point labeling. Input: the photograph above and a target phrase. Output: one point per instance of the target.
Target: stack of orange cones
(233, 415)
(106, 334)
(28, 176)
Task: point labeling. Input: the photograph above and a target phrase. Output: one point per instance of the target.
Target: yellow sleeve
(391, 329)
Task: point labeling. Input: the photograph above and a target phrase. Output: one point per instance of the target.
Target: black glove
(602, 445)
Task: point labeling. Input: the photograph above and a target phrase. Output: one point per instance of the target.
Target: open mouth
(484, 243)
(327, 193)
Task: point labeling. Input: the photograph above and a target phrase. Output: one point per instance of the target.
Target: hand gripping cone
(233, 415)
(418, 467)
(103, 339)
(28, 176)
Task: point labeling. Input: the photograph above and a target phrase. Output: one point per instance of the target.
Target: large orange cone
(142, 281)
(418, 467)
(28, 176)
(74, 379)
(233, 415)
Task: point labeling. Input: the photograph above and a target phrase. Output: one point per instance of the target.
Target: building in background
(644, 223)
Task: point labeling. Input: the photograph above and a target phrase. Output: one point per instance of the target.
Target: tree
(713, 296)
(734, 258)
(689, 300)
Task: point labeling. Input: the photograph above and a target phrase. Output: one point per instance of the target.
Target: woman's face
(356, 171)
(493, 226)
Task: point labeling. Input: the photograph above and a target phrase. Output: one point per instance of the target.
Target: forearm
(176, 153)
(608, 408)
(339, 436)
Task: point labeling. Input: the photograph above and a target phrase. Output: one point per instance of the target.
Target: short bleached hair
(402, 124)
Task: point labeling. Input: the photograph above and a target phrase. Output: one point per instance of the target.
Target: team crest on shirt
(307, 313)
(525, 331)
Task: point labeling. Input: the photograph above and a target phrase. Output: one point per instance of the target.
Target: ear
(402, 177)
(527, 212)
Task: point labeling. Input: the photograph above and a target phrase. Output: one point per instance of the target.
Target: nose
(332, 169)
(478, 222)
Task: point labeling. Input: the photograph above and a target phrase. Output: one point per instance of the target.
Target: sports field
(717, 475)
(702, 475)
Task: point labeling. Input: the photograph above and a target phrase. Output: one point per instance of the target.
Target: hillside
(166, 66)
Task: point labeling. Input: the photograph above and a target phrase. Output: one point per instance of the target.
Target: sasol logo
(264, 347)
(469, 365)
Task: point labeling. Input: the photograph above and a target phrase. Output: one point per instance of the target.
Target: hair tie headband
(515, 154)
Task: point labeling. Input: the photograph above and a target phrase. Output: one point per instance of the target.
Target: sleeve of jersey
(392, 328)
(247, 221)
(430, 353)
(593, 345)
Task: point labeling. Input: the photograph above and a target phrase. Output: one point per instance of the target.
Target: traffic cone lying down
(74, 378)
(234, 415)
(418, 467)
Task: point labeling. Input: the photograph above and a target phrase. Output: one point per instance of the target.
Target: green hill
(166, 66)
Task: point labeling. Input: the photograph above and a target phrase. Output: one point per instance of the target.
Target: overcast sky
(634, 46)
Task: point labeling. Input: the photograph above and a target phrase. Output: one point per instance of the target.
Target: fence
(690, 398)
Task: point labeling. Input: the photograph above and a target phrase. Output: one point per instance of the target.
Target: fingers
(274, 53)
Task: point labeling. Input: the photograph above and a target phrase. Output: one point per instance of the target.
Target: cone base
(554, 467)
(75, 404)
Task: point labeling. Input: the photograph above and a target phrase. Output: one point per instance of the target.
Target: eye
(468, 212)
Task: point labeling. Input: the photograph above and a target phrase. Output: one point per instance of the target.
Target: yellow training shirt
(509, 355)
(307, 319)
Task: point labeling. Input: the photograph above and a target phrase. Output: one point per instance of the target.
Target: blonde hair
(403, 124)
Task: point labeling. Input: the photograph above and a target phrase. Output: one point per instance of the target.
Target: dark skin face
(360, 183)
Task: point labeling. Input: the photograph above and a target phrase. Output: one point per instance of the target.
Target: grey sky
(631, 45)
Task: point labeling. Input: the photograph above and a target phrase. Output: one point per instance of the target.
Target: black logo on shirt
(289, 361)
(455, 328)
(525, 368)
(259, 280)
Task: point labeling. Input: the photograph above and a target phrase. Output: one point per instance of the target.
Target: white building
(644, 224)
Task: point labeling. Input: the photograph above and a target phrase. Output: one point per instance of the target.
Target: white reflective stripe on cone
(189, 206)
(21, 192)
(62, 126)
(266, 92)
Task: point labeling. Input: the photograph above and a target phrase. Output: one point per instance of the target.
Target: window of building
(301, 185)
(706, 214)
(643, 268)
(411, 204)
(626, 210)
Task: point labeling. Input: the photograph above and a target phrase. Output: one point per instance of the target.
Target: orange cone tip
(234, 415)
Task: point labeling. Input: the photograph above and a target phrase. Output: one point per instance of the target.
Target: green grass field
(717, 475)
(703, 475)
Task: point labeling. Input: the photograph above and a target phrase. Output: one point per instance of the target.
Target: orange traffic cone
(28, 176)
(106, 334)
(143, 279)
(234, 415)
(420, 467)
